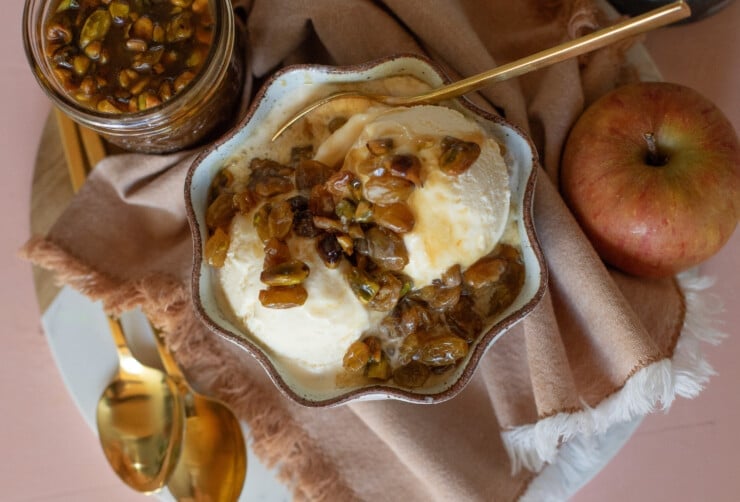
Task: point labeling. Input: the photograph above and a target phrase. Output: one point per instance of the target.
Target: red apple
(651, 172)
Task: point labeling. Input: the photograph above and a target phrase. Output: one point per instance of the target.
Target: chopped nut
(457, 155)
(96, 27)
(285, 274)
(380, 146)
(283, 297)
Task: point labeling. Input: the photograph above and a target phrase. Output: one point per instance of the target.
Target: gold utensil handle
(72, 151)
(630, 27)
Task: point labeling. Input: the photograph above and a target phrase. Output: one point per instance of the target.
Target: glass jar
(201, 110)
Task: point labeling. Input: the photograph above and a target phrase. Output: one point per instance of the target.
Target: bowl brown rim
(484, 342)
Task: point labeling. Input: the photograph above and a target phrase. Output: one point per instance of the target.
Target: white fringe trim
(657, 385)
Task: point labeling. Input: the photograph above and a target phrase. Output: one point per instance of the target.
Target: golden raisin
(329, 250)
(443, 350)
(216, 248)
(464, 320)
(220, 211)
(397, 217)
(411, 375)
(386, 249)
(484, 272)
(342, 185)
(356, 356)
(244, 201)
(280, 219)
(321, 202)
(309, 173)
(387, 190)
(276, 252)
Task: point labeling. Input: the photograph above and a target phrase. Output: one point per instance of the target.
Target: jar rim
(220, 51)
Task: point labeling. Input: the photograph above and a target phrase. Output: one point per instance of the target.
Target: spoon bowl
(653, 19)
(140, 421)
(213, 459)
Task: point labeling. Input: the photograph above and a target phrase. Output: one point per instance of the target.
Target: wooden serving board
(51, 192)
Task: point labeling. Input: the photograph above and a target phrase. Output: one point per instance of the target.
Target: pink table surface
(48, 453)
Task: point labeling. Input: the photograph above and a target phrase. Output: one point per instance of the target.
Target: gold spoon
(140, 421)
(596, 40)
(213, 460)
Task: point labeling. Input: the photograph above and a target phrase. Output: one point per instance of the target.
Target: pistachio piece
(68, 4)
(283, 297)
(96, 27)
(147, 100)
(94, 50)
(59, 31)
(457, 155)
(285, 274)
(380, 146)
(183, 80)
(80, 64)
(179, 28)
(380, 370)
(119, 11)
(260, 220)
(362, 285)
(143, 28)
(136, 45)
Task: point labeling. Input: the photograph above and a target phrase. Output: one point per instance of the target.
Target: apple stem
(654, 157)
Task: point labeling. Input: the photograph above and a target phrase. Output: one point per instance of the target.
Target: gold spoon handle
(116, 331)
(581, 45)
(168, 360)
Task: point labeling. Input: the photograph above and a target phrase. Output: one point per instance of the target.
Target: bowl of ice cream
(369, 252)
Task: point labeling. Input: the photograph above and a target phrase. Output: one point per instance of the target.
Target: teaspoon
(140, 421)
(581, 45)
(213, 459)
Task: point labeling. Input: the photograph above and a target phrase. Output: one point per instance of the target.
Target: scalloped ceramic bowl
(289, 90)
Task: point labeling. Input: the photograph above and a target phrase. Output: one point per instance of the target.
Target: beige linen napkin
(602, 347)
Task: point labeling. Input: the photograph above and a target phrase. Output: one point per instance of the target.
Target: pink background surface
(48, 453)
